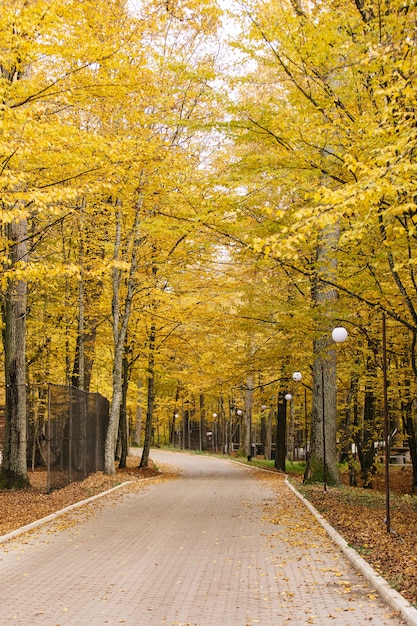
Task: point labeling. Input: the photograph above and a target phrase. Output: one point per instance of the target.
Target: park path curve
(217, 546)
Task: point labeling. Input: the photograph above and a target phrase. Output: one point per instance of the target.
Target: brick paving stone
(204, 549)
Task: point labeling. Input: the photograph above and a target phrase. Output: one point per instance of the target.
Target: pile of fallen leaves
(359, 515)
(22, 507)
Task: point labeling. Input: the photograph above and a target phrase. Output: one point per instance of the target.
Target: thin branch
(65, 180)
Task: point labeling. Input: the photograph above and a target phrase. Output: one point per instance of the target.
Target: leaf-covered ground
(358, 515)
(22, 507)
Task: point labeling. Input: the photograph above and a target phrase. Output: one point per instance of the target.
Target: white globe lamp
(339, 334)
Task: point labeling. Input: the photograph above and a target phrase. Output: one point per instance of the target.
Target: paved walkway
(200, 550)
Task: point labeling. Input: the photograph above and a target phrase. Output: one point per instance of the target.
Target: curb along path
(392, 597)
(216, 546)
(53, 516)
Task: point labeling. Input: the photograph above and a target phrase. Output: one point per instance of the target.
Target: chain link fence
(65, 435)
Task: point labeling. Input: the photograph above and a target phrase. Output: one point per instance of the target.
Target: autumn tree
(323, 88)
(46, 71)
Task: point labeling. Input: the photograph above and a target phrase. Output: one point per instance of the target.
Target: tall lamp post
(176, 416)
(287, 398)
(214, 433)
(239, 414)
(297, 377)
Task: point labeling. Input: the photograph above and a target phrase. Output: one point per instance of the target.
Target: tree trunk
(268, 437)
(114, 414)
(174, 425)
(120, 326)
(281, 447)
(79, 362)
(348, 428)
(144, 462)
(247, 418)
(137, 436)
(322, 461)
(410, 430)
(203, 424)
(323, 455)
(88, 293)
(365, 443)
(412, 442)
(14, 467)
(123, 425)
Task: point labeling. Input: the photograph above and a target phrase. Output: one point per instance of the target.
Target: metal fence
(66, 433)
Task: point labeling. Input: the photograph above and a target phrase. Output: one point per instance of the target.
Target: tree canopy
(209, 190)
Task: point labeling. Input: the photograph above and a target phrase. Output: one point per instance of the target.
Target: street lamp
(339, 334)
(298, 377)
(238, 427)
(174, 430)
